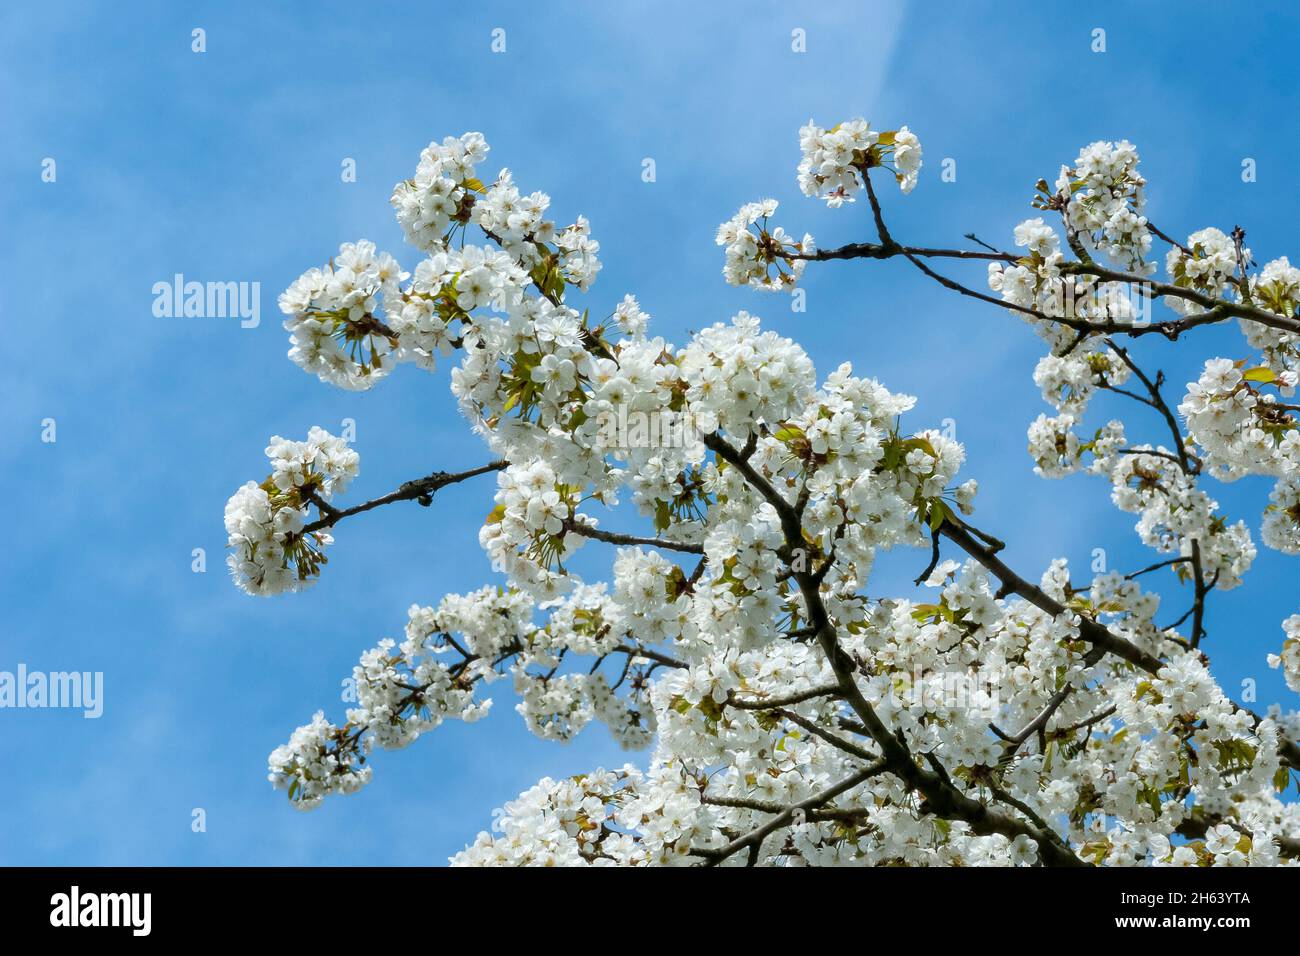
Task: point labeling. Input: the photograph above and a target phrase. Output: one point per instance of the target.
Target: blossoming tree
(792, 718)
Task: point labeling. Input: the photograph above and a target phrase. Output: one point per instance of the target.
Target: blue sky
(225, 166)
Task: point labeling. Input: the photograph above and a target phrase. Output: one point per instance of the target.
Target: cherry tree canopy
(791, 718)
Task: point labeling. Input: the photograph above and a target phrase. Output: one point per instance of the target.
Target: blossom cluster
(769, 260)
(1207, 265)
(1243, 429)
(350, 321)
(332, 326)
(675, 812)
(1037, 287)
(403, 690)
(1102, 202)
(835, 161)
(737, 619)
(1237, 418)
(272, 547)
(1289, 659)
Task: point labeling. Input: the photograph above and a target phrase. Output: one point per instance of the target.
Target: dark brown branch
(612, 537)
(881, 230)
(1086, 722)
(837, 742)
(1215, 310)
(1173, 242)
(756, 836)
(941, 797)
(1156, 567)
(846, 814)
(421, 488)
(1012, 583)
(639, 651)
(786, 700)
(1157, 401)
(1165, 290)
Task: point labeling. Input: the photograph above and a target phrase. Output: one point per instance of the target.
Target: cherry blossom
(785, 712)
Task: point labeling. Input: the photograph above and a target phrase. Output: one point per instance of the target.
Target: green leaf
(921, 442)
(1260, 373)
(1281, 779)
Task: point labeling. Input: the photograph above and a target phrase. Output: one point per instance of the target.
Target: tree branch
(421, 488)
(756, 836)
(611, 537)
